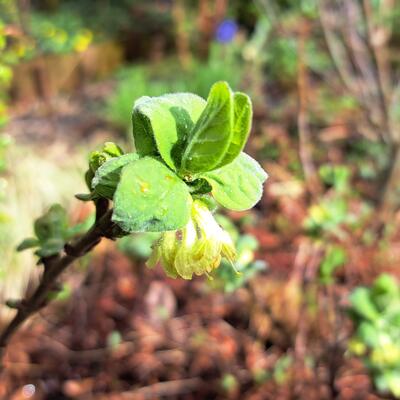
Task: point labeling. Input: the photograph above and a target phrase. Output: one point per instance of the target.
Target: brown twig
(354, 61)
(305, 146)
(338, 51)
(378, 38)
(181, 35)
(163, 389)
(53, 267)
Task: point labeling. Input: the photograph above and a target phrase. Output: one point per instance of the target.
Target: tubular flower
(195, 249)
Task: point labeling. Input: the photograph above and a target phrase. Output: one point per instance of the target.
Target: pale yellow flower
(195, 249)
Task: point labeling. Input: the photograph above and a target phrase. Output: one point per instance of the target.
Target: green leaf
(28, 244)
(212, 134)
(150, 197)
(98, 158)
(85, 196)
(393, 382)
(385, 291)
(112, 149)
(362, 305)
(238, 185)
(199, 186)
(385, 284)
(335, 257)
(368, 333)
(53, 224)
(107, 176)
(50, 247)
(243, 114)
(162, 124)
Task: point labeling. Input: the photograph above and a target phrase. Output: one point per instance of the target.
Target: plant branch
(54, 266)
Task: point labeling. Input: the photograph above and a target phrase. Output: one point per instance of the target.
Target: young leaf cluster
(188, 157)
(186, 148)
(52, 232)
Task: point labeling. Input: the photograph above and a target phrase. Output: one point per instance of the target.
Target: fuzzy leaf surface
(211, 136)
(150, 198)
(106, 178)
(162, 124)
(238, 185)
(242, 116)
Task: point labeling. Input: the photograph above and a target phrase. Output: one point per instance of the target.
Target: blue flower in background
(226, 31)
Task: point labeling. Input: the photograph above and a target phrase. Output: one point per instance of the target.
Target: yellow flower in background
(5, 74)
(195, 249)
(82, 40)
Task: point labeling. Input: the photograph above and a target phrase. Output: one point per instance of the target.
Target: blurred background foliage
(313, 311)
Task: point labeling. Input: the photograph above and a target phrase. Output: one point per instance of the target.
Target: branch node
(72, 251)
(14, 304)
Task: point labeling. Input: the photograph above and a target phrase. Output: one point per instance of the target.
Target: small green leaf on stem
(28, 243)
(53, 224)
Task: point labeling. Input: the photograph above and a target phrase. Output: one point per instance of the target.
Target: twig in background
(358, 44)
(305, 139)
(181, 35)
(161, 389)
(210, 13)
(378, 38)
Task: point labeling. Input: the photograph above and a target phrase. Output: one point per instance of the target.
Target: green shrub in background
(376, 315)
(224, 62)
(370, 157)
(70, 26)
(136, 81)
(57, 34)
(8, 57)
(133, 83)
(334, 258)
(5, 141)
(114, 18)
(41, 34)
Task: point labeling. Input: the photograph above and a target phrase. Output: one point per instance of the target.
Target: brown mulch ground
(130, 333)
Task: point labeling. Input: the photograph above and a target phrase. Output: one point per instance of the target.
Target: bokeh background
(316, 311)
